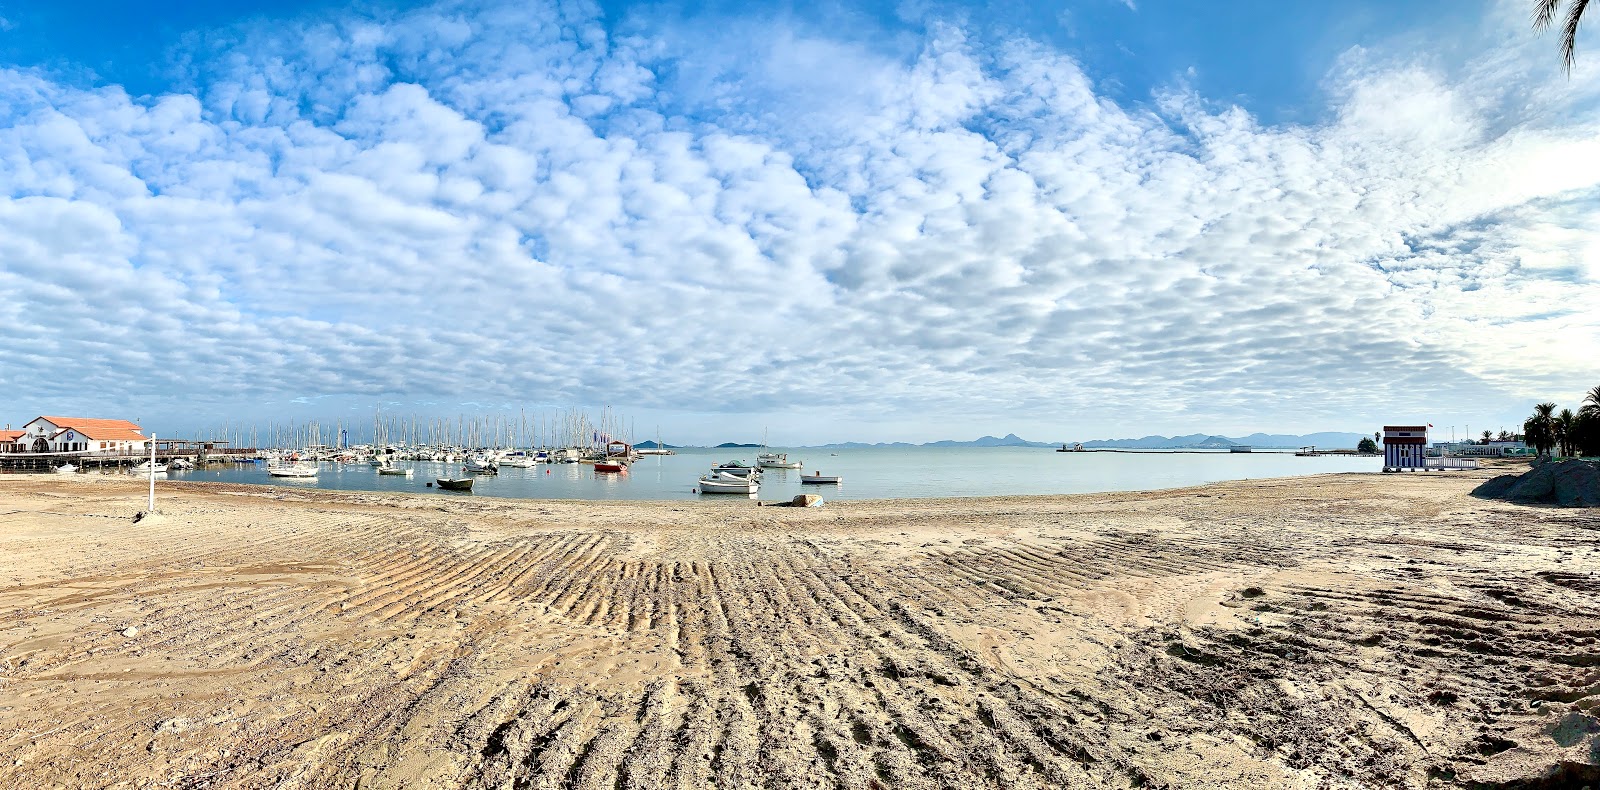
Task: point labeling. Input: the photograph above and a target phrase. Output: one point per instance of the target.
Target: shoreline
(165, 483)
(1339, 627)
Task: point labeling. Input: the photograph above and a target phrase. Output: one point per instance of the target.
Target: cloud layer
(510, 204)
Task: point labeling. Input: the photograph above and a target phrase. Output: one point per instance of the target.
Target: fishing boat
(391, 469)
(298, 470)
(818, 478)
(518, 462)
(610, 466)
(720, 483)
(66, 469)
(145, 468)
(776, 461)
(734, 468)
(454, 483)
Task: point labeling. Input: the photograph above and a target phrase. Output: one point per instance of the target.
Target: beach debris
(130, 632)
(800, 500)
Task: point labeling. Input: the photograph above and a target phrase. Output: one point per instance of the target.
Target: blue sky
(901, 221)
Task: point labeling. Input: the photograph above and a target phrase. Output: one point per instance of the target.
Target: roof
(85, 423)
(99, 430)
(11, 436)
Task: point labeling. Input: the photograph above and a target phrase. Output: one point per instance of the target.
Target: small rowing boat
(818, 478)
(455, 483)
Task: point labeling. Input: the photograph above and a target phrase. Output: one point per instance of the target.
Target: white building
(77, 435)
(1494, 449)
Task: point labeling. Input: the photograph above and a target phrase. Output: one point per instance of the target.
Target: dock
(202, 453)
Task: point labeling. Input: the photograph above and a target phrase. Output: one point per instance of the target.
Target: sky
(819, 222)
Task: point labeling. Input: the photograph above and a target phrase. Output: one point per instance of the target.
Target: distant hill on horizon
(1194, 441)
(1203, 441)
(1009, 440)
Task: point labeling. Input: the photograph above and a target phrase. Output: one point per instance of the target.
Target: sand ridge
(1329, 631)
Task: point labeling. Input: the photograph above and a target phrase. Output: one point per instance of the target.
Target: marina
(870, 473)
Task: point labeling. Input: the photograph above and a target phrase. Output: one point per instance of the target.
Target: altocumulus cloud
(506, 202)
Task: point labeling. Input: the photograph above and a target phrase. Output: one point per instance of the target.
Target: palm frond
(1544, 12)
(1569, 33)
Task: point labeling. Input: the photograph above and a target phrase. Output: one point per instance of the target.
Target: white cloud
(498, 203)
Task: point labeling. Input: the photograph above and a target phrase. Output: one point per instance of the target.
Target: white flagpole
(152, 507)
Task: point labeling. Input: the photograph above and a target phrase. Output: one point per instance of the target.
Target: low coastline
(1372, 629)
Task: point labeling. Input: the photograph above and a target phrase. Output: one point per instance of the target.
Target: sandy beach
(1330, 631)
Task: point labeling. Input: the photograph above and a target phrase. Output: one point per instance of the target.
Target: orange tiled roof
(100, 430)
(11, 436)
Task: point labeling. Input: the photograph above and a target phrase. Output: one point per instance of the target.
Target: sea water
(868, 473)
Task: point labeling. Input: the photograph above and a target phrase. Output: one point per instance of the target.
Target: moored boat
(610, 466)
(734, 468)
(66, 469)
(394, 470)
(454, 483)
(719, 483)
(480, 465)
(818, 478)
(145, 468)
(776, 461)
(298, 470)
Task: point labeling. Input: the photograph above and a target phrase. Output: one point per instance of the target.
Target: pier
(202, 453)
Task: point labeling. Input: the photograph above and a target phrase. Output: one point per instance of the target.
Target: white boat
(718, 483)
(394, 470)
(735, 468)
(818, 478)
(481, 465)
(297, 469)
(518, 462)
(181, 463)
(66, 469)
(144, 468)
(776, 461)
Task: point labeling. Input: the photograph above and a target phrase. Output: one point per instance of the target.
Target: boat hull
(449, 484)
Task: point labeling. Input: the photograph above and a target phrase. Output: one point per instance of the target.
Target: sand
(1330, 631)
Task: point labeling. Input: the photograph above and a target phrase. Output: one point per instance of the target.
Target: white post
(152, 507)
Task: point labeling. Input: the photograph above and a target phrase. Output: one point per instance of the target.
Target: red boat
(610, 466)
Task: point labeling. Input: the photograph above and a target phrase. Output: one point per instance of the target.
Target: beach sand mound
(1572, 483)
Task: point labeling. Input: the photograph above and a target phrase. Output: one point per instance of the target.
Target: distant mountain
(1201, 441)
(1009, 440)
(650, 444)
(726, 445)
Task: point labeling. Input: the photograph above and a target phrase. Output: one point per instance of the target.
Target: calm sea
(873, 473)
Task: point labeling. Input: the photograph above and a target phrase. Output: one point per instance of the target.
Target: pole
(152, 507)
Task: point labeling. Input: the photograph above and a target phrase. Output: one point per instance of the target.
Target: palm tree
(1591, 402)
(1544, 13)
(1565, 425)
(1487, 437)
(1540, 428)
(1505, 436)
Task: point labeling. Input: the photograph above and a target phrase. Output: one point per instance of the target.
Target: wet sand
(1330, 631)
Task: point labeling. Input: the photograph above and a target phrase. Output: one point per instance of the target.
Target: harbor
(863, 473)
